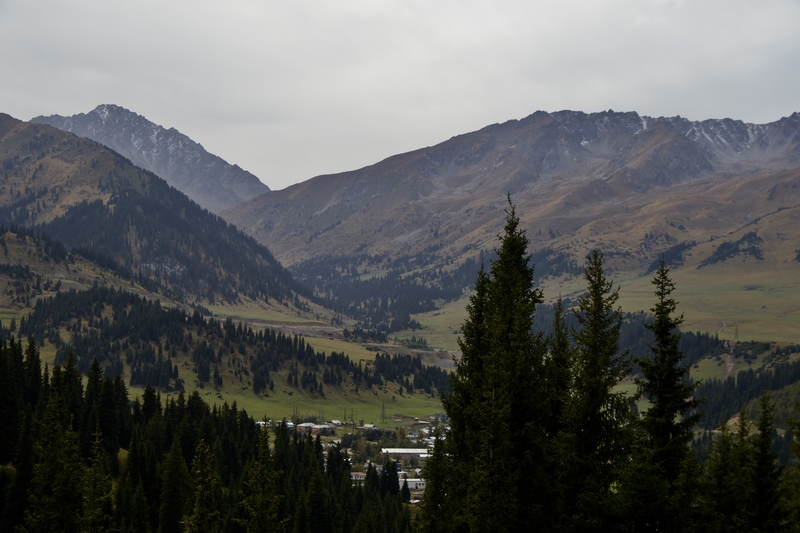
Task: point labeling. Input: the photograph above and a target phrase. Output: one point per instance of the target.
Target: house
(413, 483)
(407, 453)
(309, 428)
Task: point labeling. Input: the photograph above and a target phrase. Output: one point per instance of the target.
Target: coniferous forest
(85, 458)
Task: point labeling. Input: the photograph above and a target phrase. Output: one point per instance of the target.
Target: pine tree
(174, 482)
(597, 431)
(766, 472)
(261, 500)
(648, 498)
(205, 516)
(497, 408)
(669, 421)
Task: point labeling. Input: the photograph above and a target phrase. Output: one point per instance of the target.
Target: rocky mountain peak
(205, 178)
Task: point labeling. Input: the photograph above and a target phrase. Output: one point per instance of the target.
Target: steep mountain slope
(205, 178)
(89, 197)
(564, 170)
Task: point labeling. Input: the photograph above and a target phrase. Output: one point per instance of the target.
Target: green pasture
(284, 401)
(442, 327)
(355, 351)
(763, 307)
(252, 311)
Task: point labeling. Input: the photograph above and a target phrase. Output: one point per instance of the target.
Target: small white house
(413, 483)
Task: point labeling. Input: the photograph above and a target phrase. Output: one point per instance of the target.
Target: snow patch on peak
(102, 111)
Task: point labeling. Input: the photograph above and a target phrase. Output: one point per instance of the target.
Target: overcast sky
(296, 88)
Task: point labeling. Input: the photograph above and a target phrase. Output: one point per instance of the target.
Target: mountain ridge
(460, 185)
(206, 178)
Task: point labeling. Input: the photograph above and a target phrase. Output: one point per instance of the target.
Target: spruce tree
(597, 433)
(96, 487)
(17, 497)
(175, 487)
(727, 488)
(10, 407)
(436, 513)
(55, 498)
(766, 472)
(649, 499)
(669, 421)
(559, 369)
(261, 501)
(205, 516)
(497, 408)
(33, 373)
(790, 485)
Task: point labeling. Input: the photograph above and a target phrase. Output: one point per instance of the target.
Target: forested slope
(91, 198)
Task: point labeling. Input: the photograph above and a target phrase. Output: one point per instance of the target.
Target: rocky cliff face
(205, 178)
(563, 169)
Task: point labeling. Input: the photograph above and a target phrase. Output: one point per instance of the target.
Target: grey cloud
(289, 90)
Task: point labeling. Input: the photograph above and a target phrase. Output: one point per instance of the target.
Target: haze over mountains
(205, 178)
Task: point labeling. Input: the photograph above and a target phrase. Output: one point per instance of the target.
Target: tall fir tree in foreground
(494, 476)
(673, 412)
(652, 495)
(597, 434)
(767, 515)
(789, 503)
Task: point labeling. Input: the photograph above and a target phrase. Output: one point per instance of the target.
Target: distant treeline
(120, 329)
(382, 303)
(635, 337)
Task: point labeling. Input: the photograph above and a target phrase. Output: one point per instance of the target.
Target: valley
(389, 252)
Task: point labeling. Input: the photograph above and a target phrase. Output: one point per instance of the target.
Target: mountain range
(397, 239)
(564, 170)
(183, 163)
